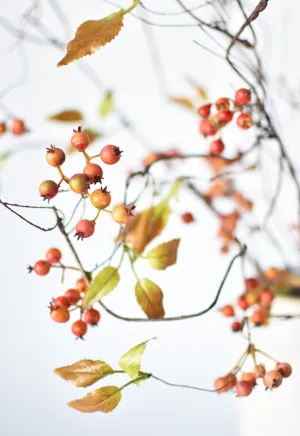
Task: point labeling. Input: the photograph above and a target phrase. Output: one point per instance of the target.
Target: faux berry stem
(65, 178)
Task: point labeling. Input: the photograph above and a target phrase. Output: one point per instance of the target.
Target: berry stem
(107, 211)
(266, 355)
(97, 216)
(64, 178)
(86, 156)
(132, 265)
(94, 157)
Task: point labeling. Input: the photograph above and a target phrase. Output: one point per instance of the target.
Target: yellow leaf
(107, 104)
(85, 372)
(66, 116)
(104, 283)
(130, 362)
(183, 101)
(150, 298)
(104, 400)
(163, 255)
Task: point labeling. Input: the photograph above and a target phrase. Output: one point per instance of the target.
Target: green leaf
(163, 255)
(107, 104)
(130, 362)
(4, 158)
(85, 372)
(150, 298)
(104, 283)
(104, 400)
(66, 116)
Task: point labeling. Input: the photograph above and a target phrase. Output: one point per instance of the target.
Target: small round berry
(80, 140)
(216, 147)
(61, 302)
(2, 128)
(48, 189)
(222, 104)
(244, 121)
(79, 328)
(53, 255)
(242, 96)
(243, 388)
(55, 156)
(110, 154)
(94, 172)
(207, 128)
(224, 117)
(258, 318)
(249, 377)
(228, 311)
(91, 316)
(85, 229)
(252, 298)
(187, 217)
(266, 297)
(122, 214)
(242, 302)
(236, 326)
(221, 384)
(17, 127)
(272, 379)
(204, 111)
(41, 267)
(73, 296)
(79, 183)
(285, 369)
(81, 285)
(60, 315)
(100, 198)
(251, 283)
(259, 371)
(271, 273)
(231, 380)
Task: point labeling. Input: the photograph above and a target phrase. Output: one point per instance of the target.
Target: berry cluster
(42, 267)
(17, 127)
(225, 111)
(81, 183)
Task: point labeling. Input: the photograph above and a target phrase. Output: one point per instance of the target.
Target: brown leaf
(66, 116)
(92, 35)
(184, 102)
(150, 298)
(85, 372)
(104, 400)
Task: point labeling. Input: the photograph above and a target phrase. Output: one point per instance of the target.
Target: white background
(33, 400)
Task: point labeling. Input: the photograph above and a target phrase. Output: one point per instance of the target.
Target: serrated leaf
(66, 116)
(107, 104)
(187, 103)
(104, 283)
(85, 372)
(104, 400)
(130, 362)
(150, 298)
(163, 255)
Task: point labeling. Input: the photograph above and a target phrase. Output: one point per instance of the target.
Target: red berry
(91, 316)
(2, 128)
(228, 311)
(100, 198)
(216, 147)
(251, 283)
(48, 189)
(249, 377)
(85, 229)
(55, 156)
(207, 128)
(222, 104)
(223, 117)
(187, 217)
(242, 96)
(122, 214)
(53, 255)
(258, 318)
(73, 296)
(17, 127)
(60, 315)
(94, 172)
(61, 302)
(80, 140)
(285, 369)
(236, 326)
(259, 371)
(272, 379)
(266, 297)
(110, 154)
(41, 267)
(243, 388)
(79, 328)
(231, 380)
(81, 285)
(204, 111)
(244, 121)
(242, 303)
(79, 183)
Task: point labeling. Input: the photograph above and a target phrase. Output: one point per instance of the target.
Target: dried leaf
(200, 90)
(104, 283)
(107, 104)
(184, 102)
(130, 362)
(66, 116)
(163, 255)
(85, 372)
(150, 298)
(104, 400)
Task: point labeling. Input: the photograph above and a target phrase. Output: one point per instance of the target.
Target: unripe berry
(266, 297)
(60, 302)
(91, 316)
(80, 140)
(285, 369)
(79, 328)
(100, 198)
(122, 214)
(81, 285)
(2, 128)
(258, 318)
(259, 371)
(242, 96)
(204, 111)
(17, 127)
(110, 154)
(60, 315)
(244, 121)
(53, 255)
(94, 172)
(73, 296)
(187, 217)
(272, 379)
(243, 388)
(216, 147)
(228, 311)
(85, 229)
(249, 377)
(79, 183)
(236, 326)
(41, 267)
(242, 303)
(252, 298)
(222, 104)
(55, 156)
(48, 189)
(207, 128)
